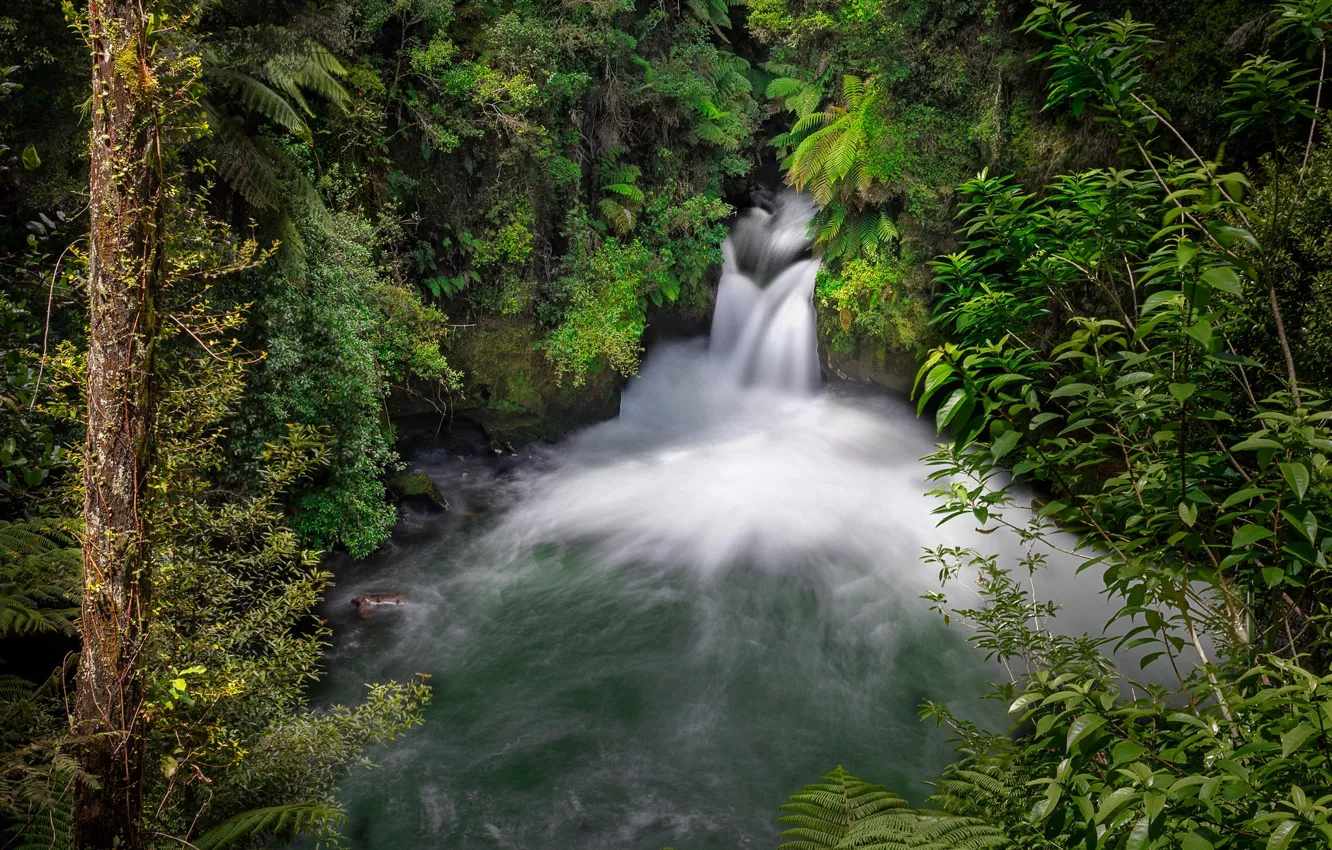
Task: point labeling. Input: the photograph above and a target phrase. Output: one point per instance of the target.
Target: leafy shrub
(338, 339)
(607, 283)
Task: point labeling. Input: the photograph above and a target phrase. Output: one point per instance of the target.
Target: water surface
(653, 634)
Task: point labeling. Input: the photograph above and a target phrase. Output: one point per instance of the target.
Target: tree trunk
(124, 294)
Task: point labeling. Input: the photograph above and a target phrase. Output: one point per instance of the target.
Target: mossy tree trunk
(124, 295)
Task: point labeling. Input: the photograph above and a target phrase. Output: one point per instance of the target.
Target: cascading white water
(763, 324)
(676, 618)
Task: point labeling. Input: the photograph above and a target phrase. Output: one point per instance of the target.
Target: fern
(52, 829)
(842, 812)
(712, 13)
(268, 72)
(39, 577)
(988, 787)
(37, 786)
(846, 234)
(826, 153)
(830, 146)
(283, 822)
(623, 201)
(258, 97)
(824, 814)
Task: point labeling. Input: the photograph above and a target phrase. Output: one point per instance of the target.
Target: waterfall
(653, 632)
(763, 326)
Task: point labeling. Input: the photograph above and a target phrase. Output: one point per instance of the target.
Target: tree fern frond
(823, 814)
(280, 821)
(843, 154)
(805, 102)
(714, 133)
(291, 244)
(298, 188)
(21, 615)
(239, 162)
(257, 96)
(39, 577)
(810, 123)
(31, 537)
(320, 72)
(842, 812)
(619, 216)
(713, 13)
(887, 229)
(620, 173)
(783, 87)
(853, 91)
(49, 829)
(628, 190)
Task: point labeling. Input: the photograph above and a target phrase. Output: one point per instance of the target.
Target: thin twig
(1313, 123)
(46, 330)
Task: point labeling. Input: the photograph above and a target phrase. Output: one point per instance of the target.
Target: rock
(512, 391)
(372, 602)
(895, 370)
(417, 487)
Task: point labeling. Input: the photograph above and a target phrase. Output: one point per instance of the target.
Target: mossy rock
(511, 390)
(417, 487)
(870, 364)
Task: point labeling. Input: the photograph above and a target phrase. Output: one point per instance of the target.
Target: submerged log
(369, 603)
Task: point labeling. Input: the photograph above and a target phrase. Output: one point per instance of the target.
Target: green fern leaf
(842, 812)
(257, 96)
(280, 821)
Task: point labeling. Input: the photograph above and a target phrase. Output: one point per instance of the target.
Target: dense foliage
(1140, 346)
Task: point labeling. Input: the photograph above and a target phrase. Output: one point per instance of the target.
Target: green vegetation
(1106, 242)
(1139, 344)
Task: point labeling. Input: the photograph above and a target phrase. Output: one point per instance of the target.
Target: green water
(652, 635)
(635, 707)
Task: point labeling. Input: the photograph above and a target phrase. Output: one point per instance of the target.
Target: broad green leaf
(1156, 299)
(1137, 839)
(1201, 332)
(1281, 836)
(1043, 725)
(1071, 389)
(1223, 278)
(1229, 235)
(30, 158)
(1247, 535)
(1307, 524)
(1273, 575)
(935, 379)
(1082, 727)
(1185, 253)
(1243, 496)
(1291, 741)
(1004, 444)
(1133, 378)
(1114, 802)
(1182, 392)
(1188, 513)
(949, 407)
(1152, 803)
(1254, 444)
(1297, 476)
(1040, 419)
(1194, 841)
(1126, 751)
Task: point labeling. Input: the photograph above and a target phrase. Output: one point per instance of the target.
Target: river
(651, 634)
